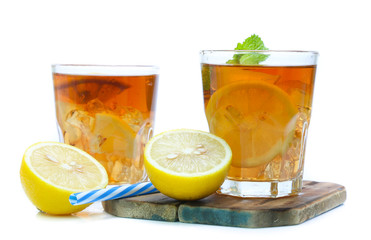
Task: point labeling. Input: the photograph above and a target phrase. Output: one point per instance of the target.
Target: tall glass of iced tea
(263, 111)
(108, 111)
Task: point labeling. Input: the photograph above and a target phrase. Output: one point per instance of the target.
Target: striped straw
(110, 193)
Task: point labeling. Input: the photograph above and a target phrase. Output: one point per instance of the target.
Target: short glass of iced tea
(263, 111)
(108, 111)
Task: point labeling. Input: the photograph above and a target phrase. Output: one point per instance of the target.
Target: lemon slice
(51, 171)
(256, 119)
(187, 164)
(114, 134)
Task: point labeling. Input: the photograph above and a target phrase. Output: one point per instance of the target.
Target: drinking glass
(262, 109)
(107, 111)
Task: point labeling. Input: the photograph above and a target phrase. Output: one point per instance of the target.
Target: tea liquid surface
(263, 112)
(110, 117)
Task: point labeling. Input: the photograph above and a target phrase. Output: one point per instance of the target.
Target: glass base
(274, 189)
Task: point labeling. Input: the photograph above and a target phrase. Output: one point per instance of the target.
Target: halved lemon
(256, 119)
(51, 171)
(187, 164)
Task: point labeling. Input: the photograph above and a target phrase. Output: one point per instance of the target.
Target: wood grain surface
(315, 199)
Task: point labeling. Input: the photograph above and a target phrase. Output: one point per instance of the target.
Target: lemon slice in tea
(86, 88)
(256, 119)
(114, 134)
(187, 164)
(51, 171)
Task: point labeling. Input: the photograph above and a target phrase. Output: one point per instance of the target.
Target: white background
(36, 34)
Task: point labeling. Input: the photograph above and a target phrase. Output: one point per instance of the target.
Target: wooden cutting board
(315, 199)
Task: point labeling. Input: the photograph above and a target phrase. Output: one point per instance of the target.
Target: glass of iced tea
(108, 111)
(263, 111)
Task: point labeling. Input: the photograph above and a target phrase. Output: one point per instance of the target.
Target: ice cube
(273, 168)
(72, 136)
(132, 116)
(96, 143)
(80, 119)
(95, 106)
(117, 171)
(136, 174)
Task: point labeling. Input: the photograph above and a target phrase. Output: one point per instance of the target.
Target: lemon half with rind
(257, 120)
(51, 171)
(187, 164)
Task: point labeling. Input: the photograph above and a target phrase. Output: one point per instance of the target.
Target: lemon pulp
(51, 171)
(187, 164)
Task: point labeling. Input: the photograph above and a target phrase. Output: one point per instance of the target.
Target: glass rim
(104, 69)
(262, 51)
(103, 65)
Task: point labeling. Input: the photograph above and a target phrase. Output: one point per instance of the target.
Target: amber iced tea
(263, 112)
(108, 115)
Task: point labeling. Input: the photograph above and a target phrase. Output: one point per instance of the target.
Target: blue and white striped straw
(110, 193)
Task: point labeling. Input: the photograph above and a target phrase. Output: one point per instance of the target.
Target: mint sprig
(253, 42)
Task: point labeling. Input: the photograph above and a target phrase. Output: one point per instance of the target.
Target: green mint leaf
(253, 42)
(233, 61)
(252, 58)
